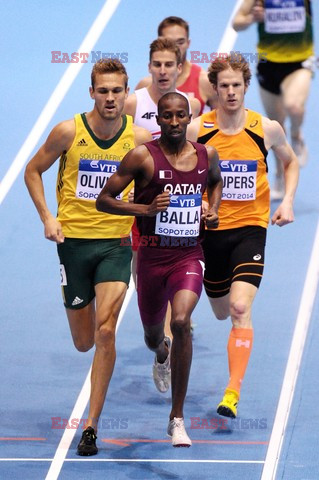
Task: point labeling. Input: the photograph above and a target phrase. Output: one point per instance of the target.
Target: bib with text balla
(182, 217)
(285, 16)
(239, 179)
(92, 176)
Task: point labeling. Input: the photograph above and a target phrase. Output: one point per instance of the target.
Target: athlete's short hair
(171, 21)
(169, 96)
(108, 65)
(235, 62)
(161, 44)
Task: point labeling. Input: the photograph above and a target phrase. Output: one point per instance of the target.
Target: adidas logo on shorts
(77, 301)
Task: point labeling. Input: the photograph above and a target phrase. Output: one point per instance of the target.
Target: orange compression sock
(239, 348)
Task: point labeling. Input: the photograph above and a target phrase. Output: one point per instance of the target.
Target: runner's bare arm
(136, 165)
(214, 189)
(195, 106)
(275, 138)
(59, 141)
(130, 105)
(145, 82)
(249, 12)
(206, 90)
(141, 135)
(193, 130)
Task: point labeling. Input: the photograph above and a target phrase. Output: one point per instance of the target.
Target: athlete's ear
(91, 92)
(190, 118)
(127, 91)
(156, 116)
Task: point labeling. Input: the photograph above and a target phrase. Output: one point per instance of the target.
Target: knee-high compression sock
(239, 348)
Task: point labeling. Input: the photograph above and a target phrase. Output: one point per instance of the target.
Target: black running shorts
(233, 255)
(270, 75)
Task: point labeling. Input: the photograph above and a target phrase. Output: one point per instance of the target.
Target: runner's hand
(53, 230)
(211, 218)
(159, 204)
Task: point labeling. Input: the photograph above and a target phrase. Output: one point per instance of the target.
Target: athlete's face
(179, 35)
(230, 89)
(109, 94)
(164, 70)
(173, 118)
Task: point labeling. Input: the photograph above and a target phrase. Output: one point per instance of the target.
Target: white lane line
(56, 98)
(293, 364)
(79, 408)
(230, 35)
(69, 433)
(130, 460)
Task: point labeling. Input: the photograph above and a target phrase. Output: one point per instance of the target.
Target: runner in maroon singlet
(170, 177)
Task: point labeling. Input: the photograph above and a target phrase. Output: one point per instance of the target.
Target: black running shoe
(87, 444)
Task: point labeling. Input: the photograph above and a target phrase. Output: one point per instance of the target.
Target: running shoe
(87, 445)
(193, 325)
(300, 149)
(162, 371)
(228, 405)
(277, 192)
(176, 430)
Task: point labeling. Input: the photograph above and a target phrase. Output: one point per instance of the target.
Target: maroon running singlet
(170, 251)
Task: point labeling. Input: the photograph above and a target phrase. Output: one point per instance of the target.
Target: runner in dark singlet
(170, 177)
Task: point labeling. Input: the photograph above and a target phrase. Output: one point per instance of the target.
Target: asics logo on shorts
(77, 301)
(257, 257)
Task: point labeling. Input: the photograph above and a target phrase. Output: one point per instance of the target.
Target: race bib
(182, 217)
(239, 179)
(63, 275)
(92, 176)
(285, 16)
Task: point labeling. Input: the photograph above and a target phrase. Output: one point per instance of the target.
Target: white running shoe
(176, 430)
(162, 371)
(301, 151)
(277, 192)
